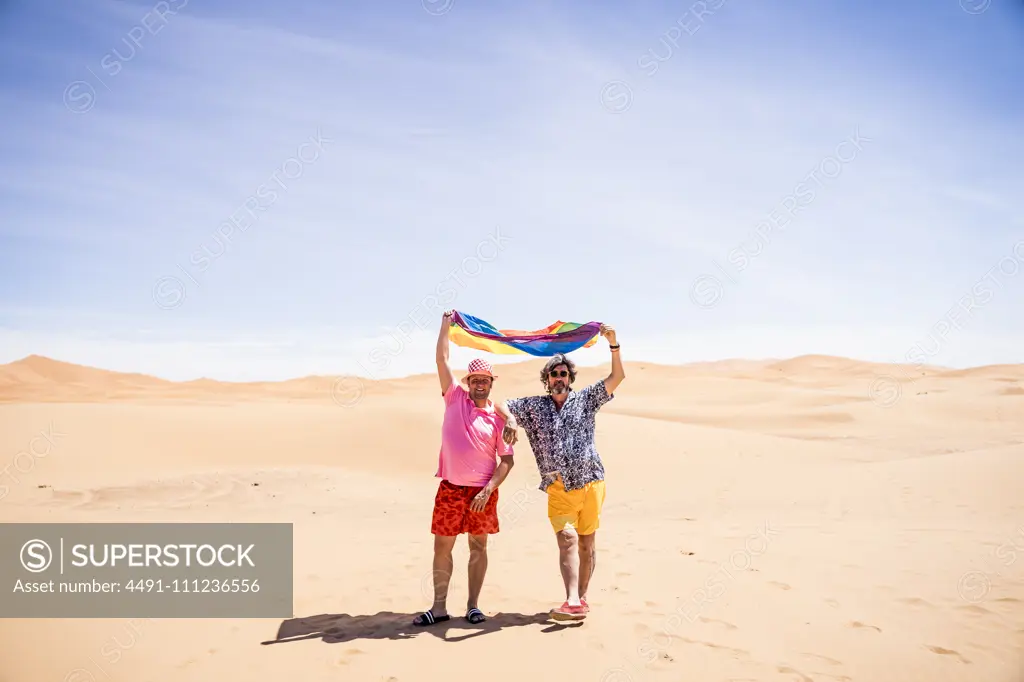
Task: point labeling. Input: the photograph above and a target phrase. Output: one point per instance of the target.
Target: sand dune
(795, 519)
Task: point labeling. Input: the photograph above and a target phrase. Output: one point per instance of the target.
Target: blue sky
(715, 179)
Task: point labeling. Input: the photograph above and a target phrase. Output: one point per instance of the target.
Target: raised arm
(444, 370)
(613, 380)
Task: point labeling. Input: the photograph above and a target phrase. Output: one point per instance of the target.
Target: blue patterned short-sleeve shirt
(563, 440)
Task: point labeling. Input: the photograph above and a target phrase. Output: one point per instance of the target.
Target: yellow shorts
(579, 509)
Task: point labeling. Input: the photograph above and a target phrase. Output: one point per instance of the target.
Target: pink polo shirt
(471, 440)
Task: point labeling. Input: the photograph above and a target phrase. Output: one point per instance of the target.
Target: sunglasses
(562, 373)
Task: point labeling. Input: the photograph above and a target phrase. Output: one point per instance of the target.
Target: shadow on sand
(342, 627)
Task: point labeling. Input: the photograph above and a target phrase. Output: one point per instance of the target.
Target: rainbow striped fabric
(558, 337)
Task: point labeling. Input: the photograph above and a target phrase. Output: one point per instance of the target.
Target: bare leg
(588, 561)
(569, 559)
(477, 568)
(443, 566)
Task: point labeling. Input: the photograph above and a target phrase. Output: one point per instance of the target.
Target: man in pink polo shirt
(470, 473)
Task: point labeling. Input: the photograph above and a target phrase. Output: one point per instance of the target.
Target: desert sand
(815, 518)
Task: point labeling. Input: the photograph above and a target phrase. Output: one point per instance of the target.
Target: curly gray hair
(555, 361)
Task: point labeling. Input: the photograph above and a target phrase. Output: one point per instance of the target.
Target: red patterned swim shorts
(452, 515)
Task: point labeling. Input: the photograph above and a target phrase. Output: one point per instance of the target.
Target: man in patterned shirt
(560, 428)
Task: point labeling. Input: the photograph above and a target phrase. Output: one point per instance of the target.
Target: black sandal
(428, 618)
(475, 616)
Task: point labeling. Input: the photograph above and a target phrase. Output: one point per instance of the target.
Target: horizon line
(939, 368)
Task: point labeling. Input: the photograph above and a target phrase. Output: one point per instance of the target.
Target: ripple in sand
(975, 609)
(830, 661)
(914, 601)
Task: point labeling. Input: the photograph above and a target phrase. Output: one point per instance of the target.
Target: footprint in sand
(740, 653)
(858, 624)
(781, 586)
(728, 626)
(833, 603)
(945, 652)
(830, 661)
(786, 670)
(349, 652)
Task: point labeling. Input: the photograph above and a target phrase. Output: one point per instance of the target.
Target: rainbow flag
(558, 337)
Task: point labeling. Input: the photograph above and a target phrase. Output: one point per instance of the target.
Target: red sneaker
(586, 606)
(566, 612)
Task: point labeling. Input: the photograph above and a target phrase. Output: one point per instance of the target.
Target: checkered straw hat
(479, 366)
